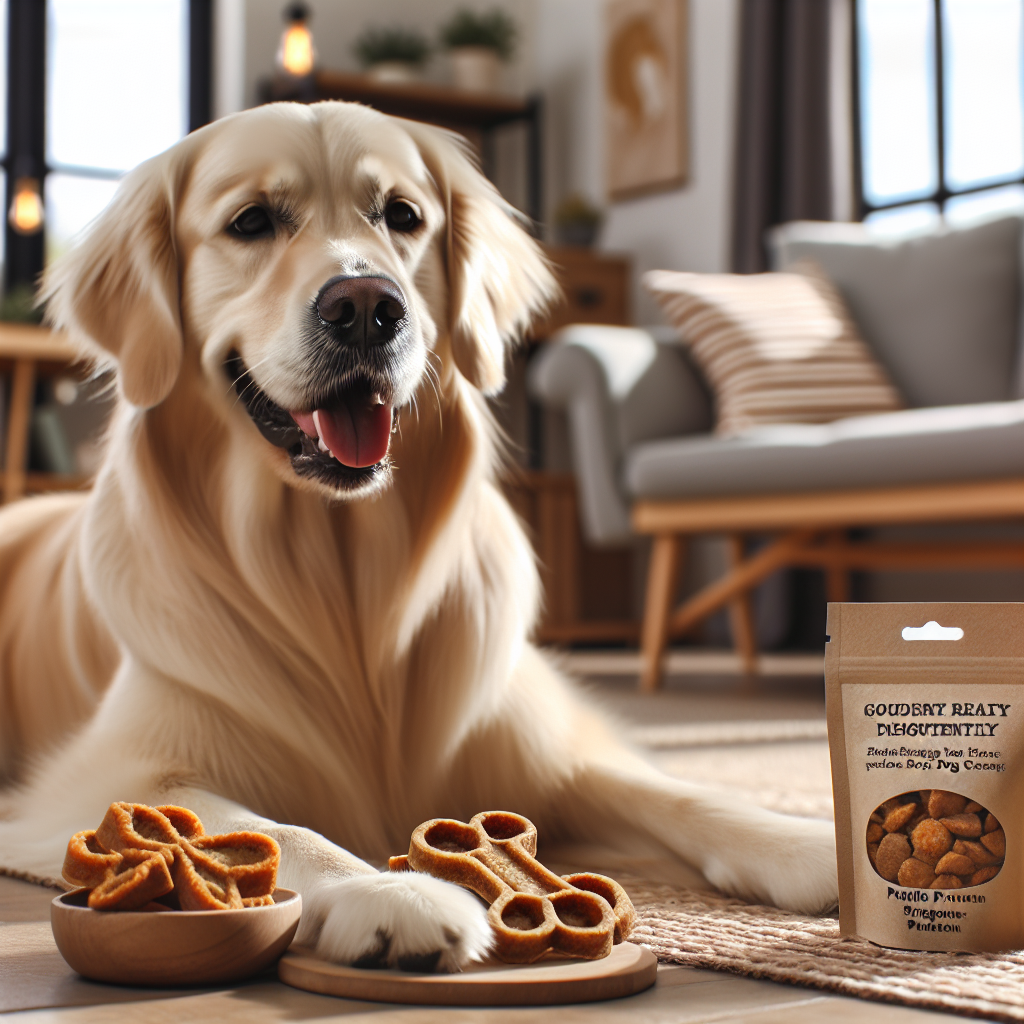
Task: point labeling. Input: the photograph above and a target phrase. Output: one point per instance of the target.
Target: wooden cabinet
(595, 289)
(587, 591)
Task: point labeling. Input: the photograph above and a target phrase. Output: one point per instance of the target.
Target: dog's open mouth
(342, 442)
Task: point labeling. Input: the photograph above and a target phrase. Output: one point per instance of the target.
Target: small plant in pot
(577, 221)
(392, 54)
(18, 305)
(478, 43)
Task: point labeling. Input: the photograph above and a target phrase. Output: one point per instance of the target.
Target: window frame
(25, 146)
(941, 195)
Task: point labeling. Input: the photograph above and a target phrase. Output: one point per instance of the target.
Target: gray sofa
(941, 311)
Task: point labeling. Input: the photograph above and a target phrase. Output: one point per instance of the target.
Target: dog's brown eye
(400, 216)
(252, 222)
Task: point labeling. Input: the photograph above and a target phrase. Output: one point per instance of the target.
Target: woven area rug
(704, 930)
(698, 929)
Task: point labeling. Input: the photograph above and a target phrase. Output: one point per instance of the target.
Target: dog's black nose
(362, 310)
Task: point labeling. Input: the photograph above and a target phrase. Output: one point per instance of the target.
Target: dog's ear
(116, 291)
(498, 277)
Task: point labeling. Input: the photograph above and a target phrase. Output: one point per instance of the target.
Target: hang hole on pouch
(932, 631)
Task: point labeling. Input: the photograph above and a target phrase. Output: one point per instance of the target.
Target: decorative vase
(395, 71)
(476, 68)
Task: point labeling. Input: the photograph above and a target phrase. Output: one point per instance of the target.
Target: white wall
(687, 228)
(228, 56)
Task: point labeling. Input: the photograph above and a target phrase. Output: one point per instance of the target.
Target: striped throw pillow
(775, 348)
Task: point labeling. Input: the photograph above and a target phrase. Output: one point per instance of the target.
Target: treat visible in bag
(926, 734)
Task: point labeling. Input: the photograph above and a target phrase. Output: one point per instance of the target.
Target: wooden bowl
(180, 947)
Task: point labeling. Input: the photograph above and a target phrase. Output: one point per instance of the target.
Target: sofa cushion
(775, 348)
(940, 309)
(935, 445)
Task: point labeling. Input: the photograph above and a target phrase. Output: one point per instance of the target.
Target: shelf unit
(476, 115)
(595, 289)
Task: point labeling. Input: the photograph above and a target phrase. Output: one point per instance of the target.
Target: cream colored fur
(206, 628)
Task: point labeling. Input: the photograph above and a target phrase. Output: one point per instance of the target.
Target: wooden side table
(26, 353)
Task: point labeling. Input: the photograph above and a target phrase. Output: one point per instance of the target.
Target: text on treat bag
(906, 719)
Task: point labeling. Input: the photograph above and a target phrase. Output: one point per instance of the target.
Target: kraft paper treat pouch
(926, 735)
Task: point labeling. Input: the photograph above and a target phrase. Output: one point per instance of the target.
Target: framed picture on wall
(645, 96)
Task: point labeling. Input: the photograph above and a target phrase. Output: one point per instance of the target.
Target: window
(3, 114)
(940, 119)
(97, 87)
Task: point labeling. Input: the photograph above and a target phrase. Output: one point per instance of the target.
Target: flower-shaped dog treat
(533, 910)
(141, 853)
(238, 869)
(119, 881)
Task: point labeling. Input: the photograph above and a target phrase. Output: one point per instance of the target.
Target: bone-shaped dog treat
(141, 853)
(533, 910)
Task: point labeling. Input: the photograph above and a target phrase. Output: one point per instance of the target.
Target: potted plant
(577, 221)
(478, 43)
(392, 54)
(18, 305)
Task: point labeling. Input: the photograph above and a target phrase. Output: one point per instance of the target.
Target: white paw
(791, 865)
(405, 920)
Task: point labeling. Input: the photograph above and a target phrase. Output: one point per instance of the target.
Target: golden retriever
(281, 604)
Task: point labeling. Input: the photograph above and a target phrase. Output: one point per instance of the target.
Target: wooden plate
(180, 947)
(627, 970)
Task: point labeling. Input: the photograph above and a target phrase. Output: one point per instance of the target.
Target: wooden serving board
(627, 970)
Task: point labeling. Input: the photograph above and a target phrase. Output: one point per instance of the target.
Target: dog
(295, 599)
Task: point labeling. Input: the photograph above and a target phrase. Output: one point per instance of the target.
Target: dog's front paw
(406, 920)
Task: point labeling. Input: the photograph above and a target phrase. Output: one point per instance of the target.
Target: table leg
(837, 576)
(662, 576)
(18, 420)
(741, 612)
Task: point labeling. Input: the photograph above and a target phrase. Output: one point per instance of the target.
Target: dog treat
(118, 881)
(925, 852)
(533, 911)
(160, 858)
(926, 735)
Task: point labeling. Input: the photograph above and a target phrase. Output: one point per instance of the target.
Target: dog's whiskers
(433, 377)
(233, 386)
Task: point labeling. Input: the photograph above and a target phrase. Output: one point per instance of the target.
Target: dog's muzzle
(357, 341)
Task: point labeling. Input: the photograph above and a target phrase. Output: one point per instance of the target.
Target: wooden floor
(30, 963)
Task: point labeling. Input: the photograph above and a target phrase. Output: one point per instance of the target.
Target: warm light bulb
(26, 213)
(296, 56)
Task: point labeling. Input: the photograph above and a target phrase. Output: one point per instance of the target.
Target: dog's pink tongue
(358, 434)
